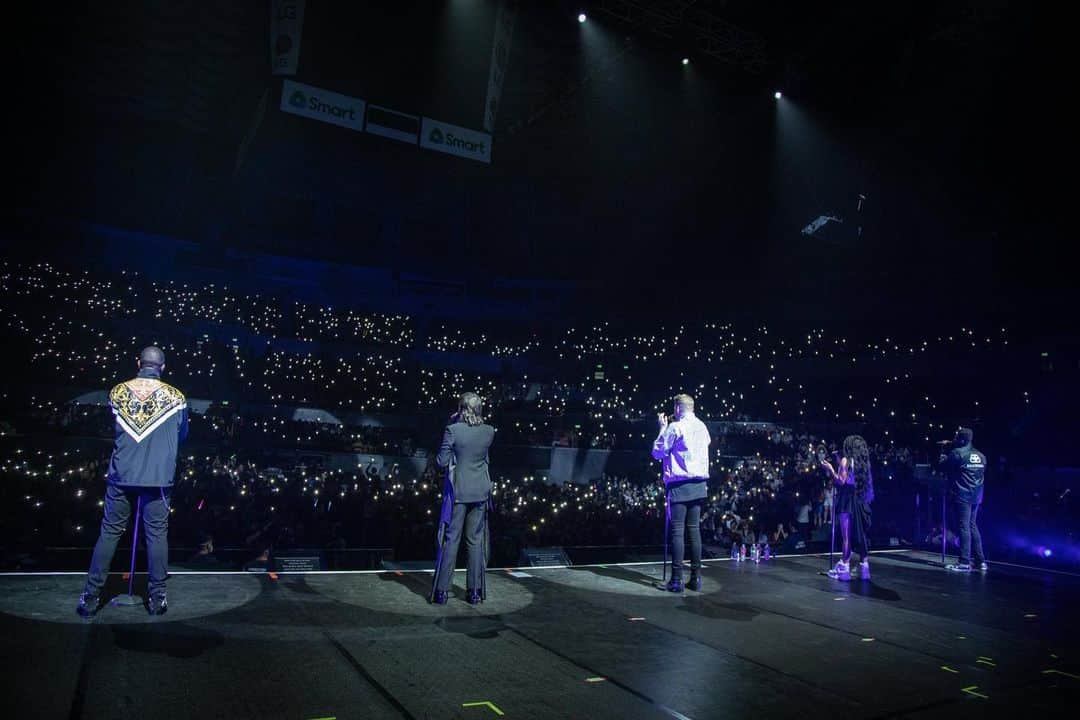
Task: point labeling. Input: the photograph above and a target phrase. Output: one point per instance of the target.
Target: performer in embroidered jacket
(151, 421)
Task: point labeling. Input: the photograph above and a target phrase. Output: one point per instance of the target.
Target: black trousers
(970, 539)
(685, 520)
(155, 526)
(470, 518)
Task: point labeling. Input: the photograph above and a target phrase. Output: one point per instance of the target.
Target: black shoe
(158, 605)
(88, 605)
(474, 597)
(438, 597)
(675, 586)
(694, 582)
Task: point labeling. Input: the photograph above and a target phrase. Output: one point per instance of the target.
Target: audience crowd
(277, 386)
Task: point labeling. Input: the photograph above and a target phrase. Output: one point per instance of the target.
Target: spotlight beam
(565, 94)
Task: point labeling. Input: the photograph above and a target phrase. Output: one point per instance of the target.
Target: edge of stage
(776, 639)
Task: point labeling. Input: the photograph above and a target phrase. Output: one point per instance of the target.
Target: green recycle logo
(298, 99)
(436, 136)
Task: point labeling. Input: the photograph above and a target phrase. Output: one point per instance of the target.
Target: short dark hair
(152, 356)
(964, 436)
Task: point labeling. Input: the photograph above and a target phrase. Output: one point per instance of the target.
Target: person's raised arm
(844, 472)
(946, 461)
(665, 440)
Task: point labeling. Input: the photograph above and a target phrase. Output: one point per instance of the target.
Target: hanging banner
(500, 55)
(318, 104)
(454, 140)
(286, 26)
(392, 124)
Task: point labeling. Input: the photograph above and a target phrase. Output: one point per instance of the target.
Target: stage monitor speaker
(299, 561)
(543, 557)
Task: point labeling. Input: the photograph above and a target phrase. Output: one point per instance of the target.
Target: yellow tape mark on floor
(492, 706)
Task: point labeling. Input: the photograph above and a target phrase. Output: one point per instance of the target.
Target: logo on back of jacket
(143, 404)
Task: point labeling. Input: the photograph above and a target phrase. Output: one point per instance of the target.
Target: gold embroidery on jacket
(142, 404)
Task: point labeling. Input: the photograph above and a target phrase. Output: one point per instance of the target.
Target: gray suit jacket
(466, 448)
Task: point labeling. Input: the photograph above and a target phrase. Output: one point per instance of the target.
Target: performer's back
(464, 452)
(151, 421)
(466, 446)
(965, 468)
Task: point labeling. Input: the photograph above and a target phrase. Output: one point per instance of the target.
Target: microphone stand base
(127, 601)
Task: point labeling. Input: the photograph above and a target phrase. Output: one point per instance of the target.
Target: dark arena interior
(499, 359)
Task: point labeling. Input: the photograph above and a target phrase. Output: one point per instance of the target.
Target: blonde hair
(684, 401)
(471, 409)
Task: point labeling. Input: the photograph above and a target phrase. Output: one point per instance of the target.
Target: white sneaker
(842, 571)
(864, 570)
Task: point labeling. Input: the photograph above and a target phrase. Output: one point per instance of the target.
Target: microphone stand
(667, 531)
(832, 528)
(442, 528)
(832, 523)
(489, 506)
(944, 530)
(131, 599)
(944, 509)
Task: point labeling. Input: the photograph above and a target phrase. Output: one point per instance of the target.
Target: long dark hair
(858, 455)
(470, 409)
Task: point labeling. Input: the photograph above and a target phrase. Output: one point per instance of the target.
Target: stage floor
(761, 641)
